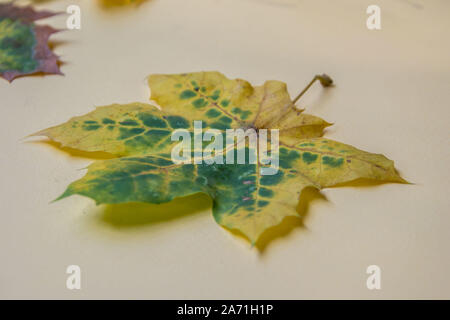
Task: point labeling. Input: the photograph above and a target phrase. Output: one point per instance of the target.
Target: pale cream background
(392, 96)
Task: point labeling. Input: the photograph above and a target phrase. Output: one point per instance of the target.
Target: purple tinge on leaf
(24, 48)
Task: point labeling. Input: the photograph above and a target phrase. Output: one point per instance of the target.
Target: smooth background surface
(392, 96)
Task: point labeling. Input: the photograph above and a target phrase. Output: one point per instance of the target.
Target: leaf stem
(324, 79)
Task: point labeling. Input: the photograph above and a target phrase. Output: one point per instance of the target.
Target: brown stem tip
(324, 79)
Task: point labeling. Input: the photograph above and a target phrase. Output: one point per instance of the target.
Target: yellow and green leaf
(243, 199)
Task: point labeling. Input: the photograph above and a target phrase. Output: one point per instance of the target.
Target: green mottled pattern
(156, 179)
(135, 128)
(17, 41)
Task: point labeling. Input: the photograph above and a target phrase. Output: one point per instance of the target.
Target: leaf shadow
(41, 1)
(75, 153)
(289, 223)
(137, 214)
(307, 197)
(364, 182)
(117, 4)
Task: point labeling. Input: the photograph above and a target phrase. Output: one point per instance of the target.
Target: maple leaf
(24, 46)
(139, 135)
